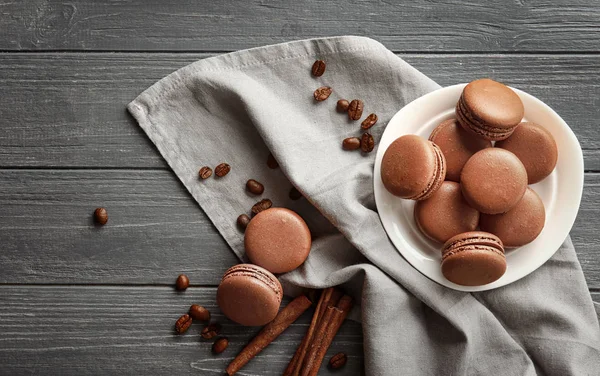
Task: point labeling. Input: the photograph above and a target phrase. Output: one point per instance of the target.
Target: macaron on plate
(560, 192)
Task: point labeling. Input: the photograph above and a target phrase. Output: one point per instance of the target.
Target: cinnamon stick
(272, 330)
(329, 296)
(332, 321)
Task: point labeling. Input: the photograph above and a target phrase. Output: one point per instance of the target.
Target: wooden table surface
(76, 299)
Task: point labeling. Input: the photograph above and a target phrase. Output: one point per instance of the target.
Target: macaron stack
(473, 174)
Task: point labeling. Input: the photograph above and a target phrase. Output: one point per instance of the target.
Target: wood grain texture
(71, 330)
(68, 109)
(155, 229)
(419, 25)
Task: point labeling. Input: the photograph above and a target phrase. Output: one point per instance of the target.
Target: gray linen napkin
(236, 107)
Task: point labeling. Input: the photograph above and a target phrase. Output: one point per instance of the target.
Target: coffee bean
(338, 361)
(342, 105)
(205, 172)
(242, 221)
(355, 109)
(220, 345)
(351, 143)
(255, 187)
(318, 68)
(182, 283)
(295, 194)
(183, 324)
(322, 93)
(369, 121)
(211, 330)
(222, 169)
(197, 312)
(101, 216)
(367, 143)
(272, 162)
(261, 205)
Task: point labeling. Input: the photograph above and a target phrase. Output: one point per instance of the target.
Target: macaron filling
(438, 177)
(253, 272)
(477, 126)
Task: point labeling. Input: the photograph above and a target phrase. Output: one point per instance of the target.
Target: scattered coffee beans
(338, 361)
(342, 105)
(101, 216)
(197, 312)
(220, 345)
(183, 324)
(261, 205)
(205, 172)
(351, 143)
(369, 121)
(318, 68)
(242, 221)
(272, 162)
(255, 187)
(222, 169)
(182, 283)
(367, 143)
(211, 331)
(322, 93)
(295, 194)
(355, 109)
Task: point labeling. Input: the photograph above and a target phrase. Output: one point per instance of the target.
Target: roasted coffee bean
(101, 216)
(197, 312)
(261, 205)
(369, 121)
(211, 330)
(367, 143)
(183, 324)
(338, 361)
(242, 221)
(355, 109)
(220, 345)
(182, 283)
(295, 194)
(318, 68)
(342, 105)
(322, 93)
(272, 162)
(205, 172)
(351, 143)
(255, 187)
(222, 169)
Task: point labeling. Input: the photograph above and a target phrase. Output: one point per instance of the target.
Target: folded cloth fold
(238, 107)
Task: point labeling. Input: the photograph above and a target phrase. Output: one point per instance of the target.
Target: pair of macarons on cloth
(277, 240)
(473, 196)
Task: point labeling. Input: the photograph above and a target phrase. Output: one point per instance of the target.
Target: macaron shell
(474, 265)
(482, 238)
(457, 145)
(278, 240)
(493, 103)
(249, 295)
(535, 147)
(493, 180)
(520, 225)
(445, 214)
(438, 177)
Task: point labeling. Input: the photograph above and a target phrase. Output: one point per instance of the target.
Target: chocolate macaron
(278, 240)
(489, 109)
(535, 147)
(445, 213)
(413, 168)
(493, 180)
(521, 224)
(473, 259)
(457, 145)
(249, 295)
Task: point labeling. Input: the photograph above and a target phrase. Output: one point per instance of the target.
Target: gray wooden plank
(419, 25)
(68, 109)
(69, 330)
(155, 231)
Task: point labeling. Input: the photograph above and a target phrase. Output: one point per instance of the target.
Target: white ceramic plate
(561, 191)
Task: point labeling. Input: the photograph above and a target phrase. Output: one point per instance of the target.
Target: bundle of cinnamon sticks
(331, 311)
